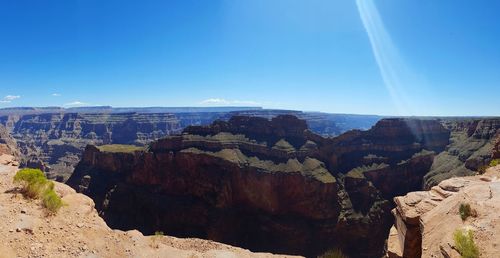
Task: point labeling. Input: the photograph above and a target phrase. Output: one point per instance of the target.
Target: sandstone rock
(425, 226)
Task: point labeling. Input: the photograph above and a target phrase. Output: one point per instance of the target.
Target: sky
(386, 57)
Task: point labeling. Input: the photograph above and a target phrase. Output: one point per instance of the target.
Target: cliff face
(268, 185)
(426, 220)
(472, 143)
(496, 148)
(7, 143)
(54, 141)
(76, 230)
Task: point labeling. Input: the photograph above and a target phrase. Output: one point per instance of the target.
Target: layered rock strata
(53, 138)
(267, 185)
(472, 143)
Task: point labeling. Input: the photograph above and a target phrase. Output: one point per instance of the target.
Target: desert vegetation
(493, 163)
(35, 185)
(119, 148)
(333, 253)
(466, 211)
(464, 243)
(156, 239)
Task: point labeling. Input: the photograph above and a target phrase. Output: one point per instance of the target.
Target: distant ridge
(109, 109)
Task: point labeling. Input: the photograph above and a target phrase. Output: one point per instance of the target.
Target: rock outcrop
(496, 148)
(7, 143)
(472, 142)
(426, 220)
(54, 142)
(77, 230)
(267, 185)
(53, 138)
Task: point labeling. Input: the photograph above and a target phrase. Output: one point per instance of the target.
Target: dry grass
(120, 148)
(334, 253)
(464, 243)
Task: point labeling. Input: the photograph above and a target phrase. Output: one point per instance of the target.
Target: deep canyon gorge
(277, 181)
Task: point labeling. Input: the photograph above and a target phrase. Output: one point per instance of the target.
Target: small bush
(334, 253)
(28, 175)
(52, 201)
(465, 211)
(155, 240)
(36, 185)
(464, 243)
(494, 162)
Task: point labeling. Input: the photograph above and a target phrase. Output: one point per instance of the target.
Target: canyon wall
(472, 144)
(267, 185)
(7, 143)
(53, 138)
(54, 141)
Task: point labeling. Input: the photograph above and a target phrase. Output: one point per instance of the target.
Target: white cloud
(9, 98)
(225, 102)
(76, 103)
(56, 95)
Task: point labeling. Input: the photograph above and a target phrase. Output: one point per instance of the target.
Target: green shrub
(494, 162)
(156, 239)
(28, 175)
(52, 201)
(33, 181)
(36, 185)
(464, 243)
(465, 211)
(333, 253)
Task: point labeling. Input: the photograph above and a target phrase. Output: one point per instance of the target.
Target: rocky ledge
(77, 230)
(426, 220)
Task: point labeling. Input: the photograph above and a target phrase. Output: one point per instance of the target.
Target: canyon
(78, 231)
(280, 181)
(273, 184)
(53, 138)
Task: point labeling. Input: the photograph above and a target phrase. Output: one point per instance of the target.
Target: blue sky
(388, 57)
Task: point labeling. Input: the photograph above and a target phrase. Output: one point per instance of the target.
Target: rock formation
(426, 220)
(496, 148)
(7, 143)
(471, 146)
(77, 230)
(267, 185)
(54, 142)
(53, 139)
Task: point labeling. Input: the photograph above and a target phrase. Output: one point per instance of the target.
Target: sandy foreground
(77, 230)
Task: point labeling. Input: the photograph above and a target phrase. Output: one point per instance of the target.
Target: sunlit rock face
(267, 185)
(472, 146)
(53, 139)
(425, 221)
(7, 143)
